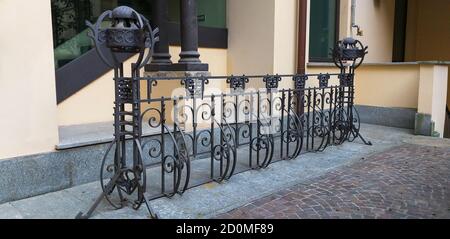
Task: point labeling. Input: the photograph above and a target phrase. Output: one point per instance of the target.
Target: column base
(155, 67)
(177, 67)
(425, 126)
(190, 67)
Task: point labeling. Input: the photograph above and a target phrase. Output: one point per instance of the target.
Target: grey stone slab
(124, 213)
(423, 124)
(33, 175)
(81, 135)
(429, 141)
(391, 117)
(57, 205)
(73, 136)
(7, 211)
(87, 194)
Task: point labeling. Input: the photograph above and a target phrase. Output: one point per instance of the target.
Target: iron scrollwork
(323, 80)
(222, 130)
(346, 79)
(237, 82)
(348, 55)
(300, 81)
(195, 86)
(272, 81)
(129, 32)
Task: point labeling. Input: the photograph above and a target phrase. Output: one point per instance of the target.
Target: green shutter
(323, 34)
(214, 12)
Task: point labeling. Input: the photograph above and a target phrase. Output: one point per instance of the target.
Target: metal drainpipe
(353, 17)
(353, 21)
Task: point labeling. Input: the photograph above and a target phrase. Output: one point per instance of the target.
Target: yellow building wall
(428, 32)
(250, 37)
(27, 78)
(387, 86)
(440, 84)
(94, 102)
(344, 19)
(384, 85)
(262, 38)
(432, 94)
(376, 19)
(285, 39)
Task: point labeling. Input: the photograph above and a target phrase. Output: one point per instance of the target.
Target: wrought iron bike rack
(225, 132)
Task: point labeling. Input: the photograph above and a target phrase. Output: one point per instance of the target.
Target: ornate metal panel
(272, 81)
(195, 86)
(346, 79)
(300, 81)
(237, 82)
(323, 80)
(223, 133)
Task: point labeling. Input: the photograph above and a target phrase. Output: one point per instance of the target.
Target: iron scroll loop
(349, 51)
(134, 35)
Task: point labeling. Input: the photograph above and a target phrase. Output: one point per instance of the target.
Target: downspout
(353, 18)
(359, 32)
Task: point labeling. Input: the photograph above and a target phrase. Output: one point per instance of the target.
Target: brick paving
(408, 181)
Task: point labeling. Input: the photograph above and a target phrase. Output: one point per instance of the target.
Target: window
(211, 13)
(323, 29)
(70, 31)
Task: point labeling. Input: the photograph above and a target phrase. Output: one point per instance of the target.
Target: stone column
(189, 32)
(189, 56)
(161, 56)
(432, 100)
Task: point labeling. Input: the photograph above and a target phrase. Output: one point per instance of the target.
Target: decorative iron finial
(349, 51)
(127, 32)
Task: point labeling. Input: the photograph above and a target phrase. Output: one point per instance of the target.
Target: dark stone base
(424, 125)
(391, 117)
(177, 67)
(158, 67)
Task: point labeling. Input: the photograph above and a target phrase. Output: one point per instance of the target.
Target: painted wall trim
(301, 36)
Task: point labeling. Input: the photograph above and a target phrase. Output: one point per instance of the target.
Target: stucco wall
(94, 102)
(384, 85)
(262, 37)
(344, 18)
(376, 19)
(285, 39)
(27, 80)
(251, 36)
(428, 32)
(432, 94)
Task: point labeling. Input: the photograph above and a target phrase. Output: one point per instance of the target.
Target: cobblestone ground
(408, 181)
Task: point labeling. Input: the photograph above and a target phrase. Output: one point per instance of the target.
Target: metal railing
(255, 126)
(213, 131)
